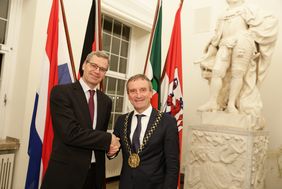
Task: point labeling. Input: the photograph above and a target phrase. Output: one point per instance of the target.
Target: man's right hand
(115, 145)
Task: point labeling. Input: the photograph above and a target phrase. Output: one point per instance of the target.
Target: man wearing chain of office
(149, 141)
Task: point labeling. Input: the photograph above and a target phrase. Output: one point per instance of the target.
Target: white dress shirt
(86, 89)
(144, 123)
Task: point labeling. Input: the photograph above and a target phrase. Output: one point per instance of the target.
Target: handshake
(114, 147)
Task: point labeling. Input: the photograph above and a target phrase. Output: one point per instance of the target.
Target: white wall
(32, 42)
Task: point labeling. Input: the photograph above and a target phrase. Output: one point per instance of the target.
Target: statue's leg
(235, 88)
(211, 104)
(241, 57)
(222, 63)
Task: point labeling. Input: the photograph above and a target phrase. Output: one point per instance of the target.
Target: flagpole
(100, 45)
(99, 26)
(68, 40)
(152, 33)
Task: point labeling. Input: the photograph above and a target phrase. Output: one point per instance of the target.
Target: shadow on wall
(274, 170)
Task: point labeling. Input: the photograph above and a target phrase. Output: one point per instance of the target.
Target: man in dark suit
(80, 119)
(149, 141)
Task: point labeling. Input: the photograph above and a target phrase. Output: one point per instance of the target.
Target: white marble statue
(237, 57)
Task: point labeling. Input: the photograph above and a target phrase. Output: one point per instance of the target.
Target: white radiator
(6, 170)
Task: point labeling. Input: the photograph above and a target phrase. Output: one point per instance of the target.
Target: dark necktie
(136, 134)
(91, 105)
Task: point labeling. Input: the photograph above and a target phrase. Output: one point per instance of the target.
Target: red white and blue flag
(172, 85)
(56, 69)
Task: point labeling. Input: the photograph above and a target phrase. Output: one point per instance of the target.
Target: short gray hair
(100, 54)
(142, 77)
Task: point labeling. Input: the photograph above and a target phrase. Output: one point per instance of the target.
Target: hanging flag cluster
(56, 69)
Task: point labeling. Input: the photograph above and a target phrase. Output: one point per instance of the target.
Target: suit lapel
(150, 124)
(100, 108)
(79, 94)
(151, 120)
(129, 129)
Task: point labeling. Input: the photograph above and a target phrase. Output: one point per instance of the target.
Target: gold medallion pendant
(134, 160)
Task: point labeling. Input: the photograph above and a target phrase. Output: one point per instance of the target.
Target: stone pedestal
(225, 153)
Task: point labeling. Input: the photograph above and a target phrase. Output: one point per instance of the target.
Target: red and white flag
(172, 77)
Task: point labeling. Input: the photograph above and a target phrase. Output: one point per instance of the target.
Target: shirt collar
(85, 87)
(147, 112)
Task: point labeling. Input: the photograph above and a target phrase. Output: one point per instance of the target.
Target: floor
(112, 183)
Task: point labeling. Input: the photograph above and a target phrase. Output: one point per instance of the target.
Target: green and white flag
(153, 69)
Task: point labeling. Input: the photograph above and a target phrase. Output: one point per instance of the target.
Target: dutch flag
(56, 69)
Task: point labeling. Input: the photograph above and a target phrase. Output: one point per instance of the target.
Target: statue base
(236, 120)
(224, 153)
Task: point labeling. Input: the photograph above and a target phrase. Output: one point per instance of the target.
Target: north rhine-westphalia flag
(172, 78)
(93, 33)
(56, 69)
(153, 69)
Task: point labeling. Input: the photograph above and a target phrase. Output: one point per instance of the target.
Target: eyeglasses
(96, 67)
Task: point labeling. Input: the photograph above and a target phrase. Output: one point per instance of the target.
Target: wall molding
(133, 12)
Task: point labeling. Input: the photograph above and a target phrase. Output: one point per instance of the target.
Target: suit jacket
(159, 160)
(74, 138)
